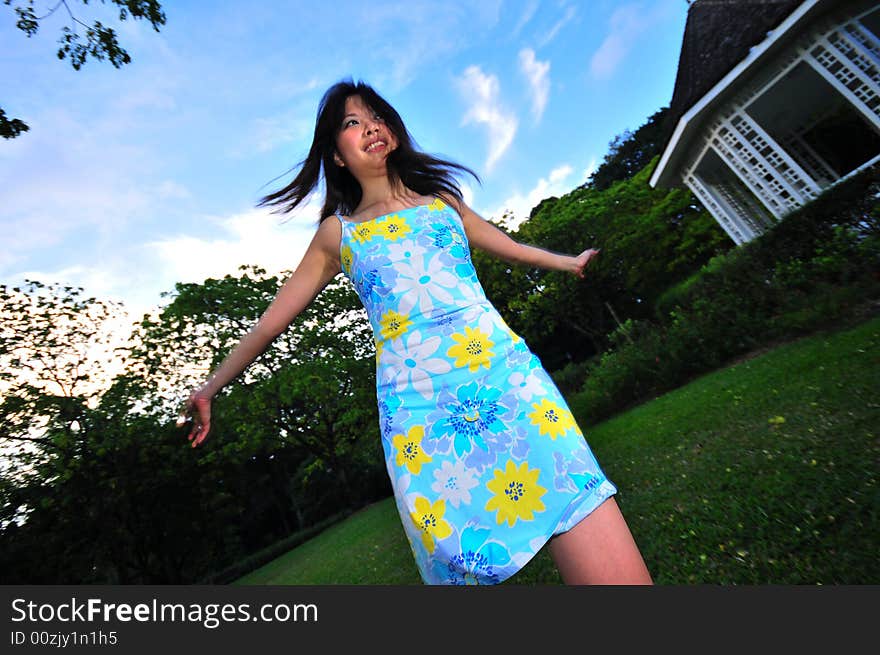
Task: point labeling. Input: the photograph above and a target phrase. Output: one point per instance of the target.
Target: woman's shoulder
(328, 223)
(328, 233)
(452, 201)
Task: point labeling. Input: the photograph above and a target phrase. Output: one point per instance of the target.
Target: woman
(485, 458)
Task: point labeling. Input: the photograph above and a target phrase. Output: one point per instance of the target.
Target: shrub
(806, 272)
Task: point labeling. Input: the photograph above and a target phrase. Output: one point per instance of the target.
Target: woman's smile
(363, 130)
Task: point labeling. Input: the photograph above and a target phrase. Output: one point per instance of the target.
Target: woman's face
(364, 140)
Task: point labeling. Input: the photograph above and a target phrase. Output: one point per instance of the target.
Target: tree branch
(39, 440)
(53, 10)
(74, 18)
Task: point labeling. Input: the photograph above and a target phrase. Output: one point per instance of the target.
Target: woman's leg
(600, 550)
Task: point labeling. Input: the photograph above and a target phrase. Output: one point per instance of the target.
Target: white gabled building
(774, 101)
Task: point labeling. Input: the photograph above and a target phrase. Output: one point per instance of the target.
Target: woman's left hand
(580, 262)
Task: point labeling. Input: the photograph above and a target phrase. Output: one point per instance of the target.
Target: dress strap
(341, 231)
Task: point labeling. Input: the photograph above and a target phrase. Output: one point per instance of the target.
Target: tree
(202, 323)
(100, 40)
(55, 347)
(649, 238)
(97, 485)
(307, 403)
(130, 506)
(630, 152)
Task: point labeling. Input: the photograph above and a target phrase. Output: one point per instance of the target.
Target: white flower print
(482, 317)
(410, 362)
(406, 251)
(454, 482)
(419, 283)
(526, 386)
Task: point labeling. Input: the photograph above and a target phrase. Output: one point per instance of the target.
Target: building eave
(667, 172)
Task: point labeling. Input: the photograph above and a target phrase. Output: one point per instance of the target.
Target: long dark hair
(424, 174)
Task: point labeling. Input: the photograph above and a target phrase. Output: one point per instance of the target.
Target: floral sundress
(484, 456)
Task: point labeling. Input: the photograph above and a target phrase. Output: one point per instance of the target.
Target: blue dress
(484, 456)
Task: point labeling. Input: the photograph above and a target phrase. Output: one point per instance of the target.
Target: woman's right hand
(319, 265)
(198, 407)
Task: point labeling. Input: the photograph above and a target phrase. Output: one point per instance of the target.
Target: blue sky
(133, 179)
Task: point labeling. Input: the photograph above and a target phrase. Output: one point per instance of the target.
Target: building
(774, 101)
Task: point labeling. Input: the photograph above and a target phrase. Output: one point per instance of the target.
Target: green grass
(369, 547)
(764, 472)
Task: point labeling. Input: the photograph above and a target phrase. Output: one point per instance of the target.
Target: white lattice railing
(729, 145)
(722, 216)
(783, 175)
(865, 38)
(815, 166)
(854, 74)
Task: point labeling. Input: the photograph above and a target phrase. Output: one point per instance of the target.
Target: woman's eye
(376, 117)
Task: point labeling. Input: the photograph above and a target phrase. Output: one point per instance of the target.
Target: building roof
(724, 40)
(718, 35)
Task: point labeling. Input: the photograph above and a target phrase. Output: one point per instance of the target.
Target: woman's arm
(485, 236)
(319, 265)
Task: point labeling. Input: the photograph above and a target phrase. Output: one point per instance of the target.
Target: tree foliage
(96, 473)
(304, 412)
(630, 152)
(55, 349)
(649, 239)
(100, 40)
(86, 474)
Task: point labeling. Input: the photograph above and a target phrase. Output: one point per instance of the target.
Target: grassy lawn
(761, 473)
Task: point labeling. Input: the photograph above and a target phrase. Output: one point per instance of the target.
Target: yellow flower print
(437, 205)
(345, 258)
(517, 494)
(393, 227)
(394, 324)
(409, 449)
(551, 418)
(429, 519)
(472, 349)
(379, 346)
(366, 231)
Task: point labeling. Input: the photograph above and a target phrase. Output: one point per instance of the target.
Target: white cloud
(570, 13)
(78, 211)
(138, 276)
(529, 12)
(483, 91)
(627, 24)
(252, 237)
(467, 194)
(172, 190)
(519, 205)
(589, 170)
(404, 37)
(73, 182)
(538, 75)
(558, 174)
(272, 132)
(289, 89)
